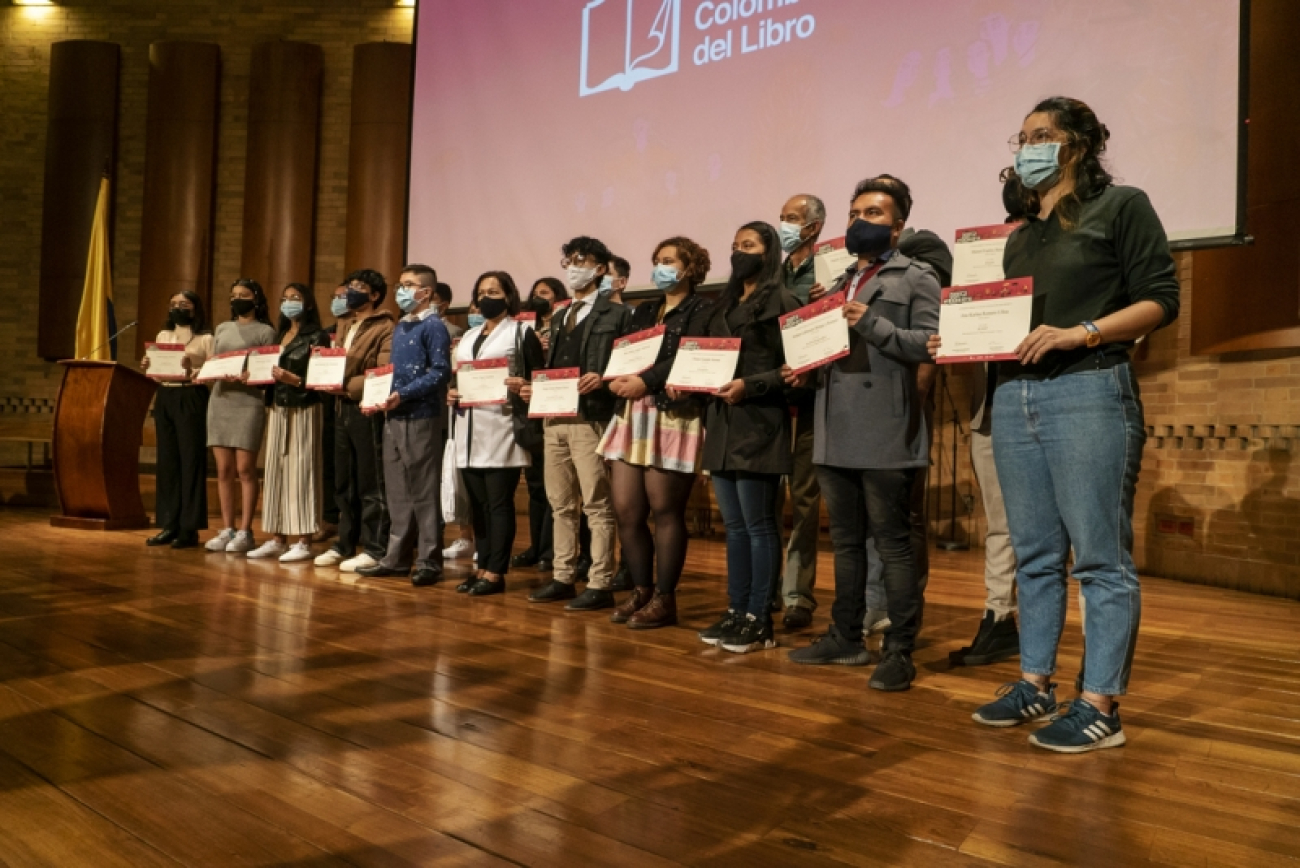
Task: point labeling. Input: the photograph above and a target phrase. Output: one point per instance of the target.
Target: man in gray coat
(871, 434)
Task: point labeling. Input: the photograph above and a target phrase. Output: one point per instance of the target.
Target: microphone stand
(953, 544)
(109, 342)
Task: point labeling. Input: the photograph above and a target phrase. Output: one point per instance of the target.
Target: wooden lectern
(98, 426)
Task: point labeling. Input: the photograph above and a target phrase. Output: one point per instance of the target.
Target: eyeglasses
(577, 261)
(1039, 136)
(358, 286)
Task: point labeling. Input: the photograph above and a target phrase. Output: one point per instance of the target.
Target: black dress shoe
(187, 540)
(995, 641)
(552, 592)
(524, 559)
(622, 580)
(425, 576)
(463, 587)
(797, 618)
(164, 537)
(581, 567)
(592, 599)
(545, 565)
(378, 571)
(482, 588)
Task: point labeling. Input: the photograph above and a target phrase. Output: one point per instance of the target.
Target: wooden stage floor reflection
(162, 708)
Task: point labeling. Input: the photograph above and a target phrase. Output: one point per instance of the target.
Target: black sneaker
(995, 641)
(726, 624)
(592, 599)
(1018, 702)
(832, 648)
(894, 673)
(1081, 728)
(552, 592)
(751, 635)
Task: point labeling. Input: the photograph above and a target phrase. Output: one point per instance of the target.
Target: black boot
(995, 641)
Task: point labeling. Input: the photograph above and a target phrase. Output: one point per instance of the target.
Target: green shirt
(799, 281)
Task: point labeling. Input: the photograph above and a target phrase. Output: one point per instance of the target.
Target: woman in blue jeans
(747, 437)
(1067, 419)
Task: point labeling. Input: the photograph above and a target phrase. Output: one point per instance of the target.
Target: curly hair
(692, 255)
(372, 279)
(1086, 138)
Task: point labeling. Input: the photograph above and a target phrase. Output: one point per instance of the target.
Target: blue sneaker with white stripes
(1081, 728)
(1017, 703)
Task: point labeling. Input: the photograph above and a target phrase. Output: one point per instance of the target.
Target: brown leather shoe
(661, 611)
(626, 609)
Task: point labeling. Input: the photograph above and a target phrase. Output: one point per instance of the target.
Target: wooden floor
(161, 707)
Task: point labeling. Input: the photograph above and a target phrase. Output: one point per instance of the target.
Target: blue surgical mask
(291, 309)
(665, 277)
(406, 299)
(339, 306)
(1038, 164)
(791, 236)
(606, 285)
(476, 320)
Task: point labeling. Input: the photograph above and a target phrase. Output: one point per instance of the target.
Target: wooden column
(280, 180)
(179, 179)
(378, 155)
(80, 140)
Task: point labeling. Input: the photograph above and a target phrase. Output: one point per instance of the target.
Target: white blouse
(485, 436)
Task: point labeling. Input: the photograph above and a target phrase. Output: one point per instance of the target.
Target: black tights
(637, 492)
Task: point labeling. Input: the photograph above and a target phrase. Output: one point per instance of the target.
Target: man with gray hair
(802, 219)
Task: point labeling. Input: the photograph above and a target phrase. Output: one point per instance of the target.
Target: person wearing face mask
(653, 443)
(871, 434)
(358, 438)
(1068, 427)
(180, 413)
(442, 297)
(577, 480)
(290, 484)
(614, 283)
(747, 440)
(412, 455)
(237, 418)
(329, 411)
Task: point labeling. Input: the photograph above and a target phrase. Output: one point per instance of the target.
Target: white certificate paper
(815, 334)
(166, 361)
(379, 385)
(830, 260)
(555, 393)
(482, 382)
(635, 353)
(528, 319)
(326, 368)
(260, 362)
(977, 255)
(221, 366)
(704, 364)
(986, 322)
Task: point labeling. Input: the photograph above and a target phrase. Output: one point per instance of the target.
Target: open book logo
(622, 47)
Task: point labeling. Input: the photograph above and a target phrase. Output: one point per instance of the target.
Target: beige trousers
(999, 557)
(577, 481)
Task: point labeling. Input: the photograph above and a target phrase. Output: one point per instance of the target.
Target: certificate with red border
(222, 365)
(378, 386)
(166, 362)
(260, 362)
(635, 353)
(985, 322)
(482, 382)
(555, 393)
(977, 255)
(815, 334)
(704, 364)
(326, 368)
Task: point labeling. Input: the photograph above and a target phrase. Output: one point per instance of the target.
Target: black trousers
(359, 481)
(181, 419)
(541, 522)
(492, 500)
(329, 410)
(875, 502)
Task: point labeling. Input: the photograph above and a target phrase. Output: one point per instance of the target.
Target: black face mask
(491, 307)
(242, 306)
(357, 298)
(867, 239)
(181, 316)
(745, 265)
(540, 306)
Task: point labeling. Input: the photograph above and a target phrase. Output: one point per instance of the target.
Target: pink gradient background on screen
(509, 161)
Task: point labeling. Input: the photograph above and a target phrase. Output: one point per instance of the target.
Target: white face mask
(578, 277)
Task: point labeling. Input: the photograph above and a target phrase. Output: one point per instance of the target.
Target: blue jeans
(747, 502)
(1068, 452)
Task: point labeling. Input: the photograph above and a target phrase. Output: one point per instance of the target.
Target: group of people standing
(1056, 444)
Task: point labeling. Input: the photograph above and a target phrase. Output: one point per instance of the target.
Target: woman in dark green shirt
(1067, 420)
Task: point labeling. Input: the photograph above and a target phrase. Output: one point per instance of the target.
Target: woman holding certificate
(487, 454)
(654, 441)
(290, 501)
(747, 443)
(237, 417)
(1067, 420)
(180, 413)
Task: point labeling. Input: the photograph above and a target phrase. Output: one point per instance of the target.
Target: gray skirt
(236, 417)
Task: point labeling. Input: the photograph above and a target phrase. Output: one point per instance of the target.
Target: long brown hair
(1086, 138)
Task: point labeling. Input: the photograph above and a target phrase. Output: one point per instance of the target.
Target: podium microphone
(108, 342)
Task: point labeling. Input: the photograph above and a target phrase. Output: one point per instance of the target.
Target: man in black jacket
(576, 478)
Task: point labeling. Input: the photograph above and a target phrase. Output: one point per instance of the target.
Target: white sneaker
(219, 542)
(353, 564)
(242, 542)
(458, 549)
(297, 553)
(330, 558)
(272, 548)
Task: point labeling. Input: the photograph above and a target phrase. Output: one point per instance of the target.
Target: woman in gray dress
(237, 417)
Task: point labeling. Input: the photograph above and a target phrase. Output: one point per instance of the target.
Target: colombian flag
(95, 322)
